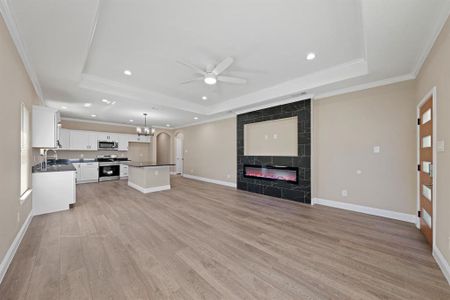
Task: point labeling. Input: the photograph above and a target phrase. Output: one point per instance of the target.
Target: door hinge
(418, 168)
(418, 121)
(418, 213)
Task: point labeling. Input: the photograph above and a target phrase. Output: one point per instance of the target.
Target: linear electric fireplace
(280, 173)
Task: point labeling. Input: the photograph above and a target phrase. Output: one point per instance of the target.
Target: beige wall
(210, 150)
(141, 152)
(271, 138)
(436, 72)
(77, 125)
(345, 130)
(163, 148)
(15, 87)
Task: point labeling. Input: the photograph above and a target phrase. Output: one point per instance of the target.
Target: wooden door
(426, 169)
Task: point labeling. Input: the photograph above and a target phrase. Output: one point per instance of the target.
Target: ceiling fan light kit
(214, 76)
(210, 79)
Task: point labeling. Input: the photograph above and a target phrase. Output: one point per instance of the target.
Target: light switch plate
(376, 149)
(344, 193)
(440, 146)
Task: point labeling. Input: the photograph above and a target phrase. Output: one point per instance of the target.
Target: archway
(163, 148)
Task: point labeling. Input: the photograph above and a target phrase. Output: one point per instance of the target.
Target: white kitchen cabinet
(45, 127)
(123, 142)
(86, 172)
(83, 140)
(64, 139)
(123, 171)
(106, 136)
(139, 139)
(53, 191)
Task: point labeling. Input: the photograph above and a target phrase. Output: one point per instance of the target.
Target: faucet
(44, 163)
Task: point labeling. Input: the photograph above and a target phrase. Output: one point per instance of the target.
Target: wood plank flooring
(204, 241)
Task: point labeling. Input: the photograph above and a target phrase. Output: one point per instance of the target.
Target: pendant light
(145, 131)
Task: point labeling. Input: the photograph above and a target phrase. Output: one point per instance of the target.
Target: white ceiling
(80, 48)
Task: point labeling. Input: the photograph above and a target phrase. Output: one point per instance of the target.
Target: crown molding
(10, 22)
(365, 86)
(441, 20)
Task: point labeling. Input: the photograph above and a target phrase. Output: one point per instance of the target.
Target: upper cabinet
(45, 127)
(83, 140)
(64, 139)
(105, 136)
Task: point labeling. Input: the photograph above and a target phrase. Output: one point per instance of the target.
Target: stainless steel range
(108, 168)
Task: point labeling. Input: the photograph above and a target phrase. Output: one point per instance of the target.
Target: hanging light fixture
(145, 131)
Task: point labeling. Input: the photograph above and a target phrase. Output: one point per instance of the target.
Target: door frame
(432, 93)
(179, 138)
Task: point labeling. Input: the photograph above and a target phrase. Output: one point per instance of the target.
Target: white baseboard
(149, 190)
(14, 246)
(367, 210)
(225, 183)
(442, 262)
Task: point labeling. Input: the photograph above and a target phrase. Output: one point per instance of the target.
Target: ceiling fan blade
(232, 79)
(223, 65)
(192, 80)
(196, 69)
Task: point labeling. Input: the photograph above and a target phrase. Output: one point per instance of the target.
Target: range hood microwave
(108, 145)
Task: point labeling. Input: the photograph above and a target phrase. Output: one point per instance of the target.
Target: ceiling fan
(213, 74)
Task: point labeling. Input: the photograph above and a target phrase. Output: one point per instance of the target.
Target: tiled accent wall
(300, 192)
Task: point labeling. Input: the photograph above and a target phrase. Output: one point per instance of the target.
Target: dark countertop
(54, 168)
(146, 164)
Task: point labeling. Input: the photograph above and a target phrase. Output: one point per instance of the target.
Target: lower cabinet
(53, 191)
(123, 171)
(86, 172)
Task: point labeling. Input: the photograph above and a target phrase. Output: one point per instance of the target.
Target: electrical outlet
(359, 172)
(344, 193)
(275, 136)
(228, 176)
(266, 137)
(156, 172)
(440, 146)
(82, 155)
(376, 149)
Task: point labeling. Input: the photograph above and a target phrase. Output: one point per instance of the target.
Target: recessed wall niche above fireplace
(274, 151)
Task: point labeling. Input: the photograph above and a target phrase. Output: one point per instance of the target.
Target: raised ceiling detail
(80, 50)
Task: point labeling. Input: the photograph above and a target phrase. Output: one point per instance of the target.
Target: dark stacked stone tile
(300, 192)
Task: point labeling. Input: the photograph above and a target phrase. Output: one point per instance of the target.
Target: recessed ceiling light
(131, 121)
(127, 72)
(87, 104)
(205, 98)
(195, 118)
(311, 56)
(93, 116)
(168, 125)
(63, 107)
(106, 101)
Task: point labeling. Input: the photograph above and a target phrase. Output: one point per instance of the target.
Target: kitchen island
(148, 177)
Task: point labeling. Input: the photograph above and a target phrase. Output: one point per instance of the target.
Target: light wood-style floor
(204, 241)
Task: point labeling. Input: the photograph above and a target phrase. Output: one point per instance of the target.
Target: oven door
(108, 172)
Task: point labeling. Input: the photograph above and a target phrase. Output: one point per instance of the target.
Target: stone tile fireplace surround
(300, 191)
